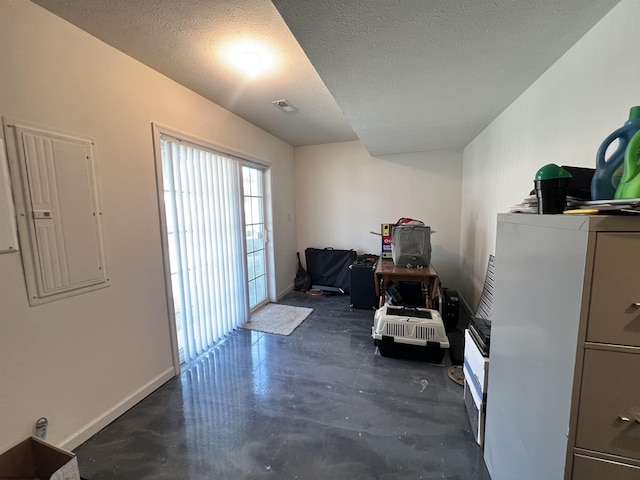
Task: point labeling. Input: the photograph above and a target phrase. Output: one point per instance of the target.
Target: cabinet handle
(635, 304)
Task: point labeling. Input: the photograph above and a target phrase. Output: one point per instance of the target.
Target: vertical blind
(205, 235)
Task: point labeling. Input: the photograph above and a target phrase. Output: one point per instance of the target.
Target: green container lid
(634, 113)
(550, 171)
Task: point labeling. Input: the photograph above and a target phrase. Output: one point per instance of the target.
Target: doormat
(278, 319)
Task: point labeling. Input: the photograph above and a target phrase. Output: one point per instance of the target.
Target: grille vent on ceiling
(285, 106)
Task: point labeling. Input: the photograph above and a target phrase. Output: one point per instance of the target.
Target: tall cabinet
(563, 399)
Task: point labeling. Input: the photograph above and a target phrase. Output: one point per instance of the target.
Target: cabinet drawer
(589, 468)
(613, 317)
(609, 411)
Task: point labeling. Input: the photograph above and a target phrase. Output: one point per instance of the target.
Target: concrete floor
(319, 404)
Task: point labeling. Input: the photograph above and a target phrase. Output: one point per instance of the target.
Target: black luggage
(451, 308)
(329, 268)
(363, 287)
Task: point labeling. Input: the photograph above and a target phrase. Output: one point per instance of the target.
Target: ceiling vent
(285, 106)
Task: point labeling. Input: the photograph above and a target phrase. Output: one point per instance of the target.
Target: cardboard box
(35, 459)
(385, 230)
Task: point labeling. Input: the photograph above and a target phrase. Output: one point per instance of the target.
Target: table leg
(427, 291)
(382, 291)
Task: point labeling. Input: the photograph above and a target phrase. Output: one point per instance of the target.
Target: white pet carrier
(416, 333)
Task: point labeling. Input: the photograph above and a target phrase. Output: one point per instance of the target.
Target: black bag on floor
(328, 267)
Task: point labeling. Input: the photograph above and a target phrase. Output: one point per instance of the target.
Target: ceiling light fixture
(285, 106)
(251, 63)
(250, 58)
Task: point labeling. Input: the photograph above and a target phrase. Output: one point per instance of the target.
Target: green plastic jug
(629, 186)
(609, 167)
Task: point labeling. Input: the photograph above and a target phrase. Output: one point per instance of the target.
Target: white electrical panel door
(58, 212)
(8, 237)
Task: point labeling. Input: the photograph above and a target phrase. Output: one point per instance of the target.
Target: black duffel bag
(329, 267)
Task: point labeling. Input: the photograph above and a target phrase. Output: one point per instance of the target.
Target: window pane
(256, 210)
(248, 232)
(255, 237)
(251, 265)
(261, 288)
(259, 236)
(248, 211)
(256, 182)
(259, 263)
(252, 293)
(246, 180)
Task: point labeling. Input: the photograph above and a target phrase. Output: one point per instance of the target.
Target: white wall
(82, 361)
(342, 194)
(562, 118)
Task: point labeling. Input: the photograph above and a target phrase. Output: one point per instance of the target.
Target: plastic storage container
(411, 245)
(629, 186)
(552, 185)
(608, 169)
(407, 332)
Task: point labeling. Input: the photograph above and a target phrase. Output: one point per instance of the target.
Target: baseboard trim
(284, 292)
(465, 305)
(90, 429)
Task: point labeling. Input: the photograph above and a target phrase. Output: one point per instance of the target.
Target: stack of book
(576, 206)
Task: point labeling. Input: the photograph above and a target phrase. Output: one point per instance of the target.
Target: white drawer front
(476, 366)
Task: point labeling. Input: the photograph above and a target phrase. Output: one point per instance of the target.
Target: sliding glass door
(215, 232)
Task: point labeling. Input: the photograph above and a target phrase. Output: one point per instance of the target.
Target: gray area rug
(277, 319)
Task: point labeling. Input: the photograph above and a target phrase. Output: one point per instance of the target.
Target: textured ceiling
(409, 75)
(185, 39)
(417, 75)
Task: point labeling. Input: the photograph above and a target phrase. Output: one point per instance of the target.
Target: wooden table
(387, 271)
